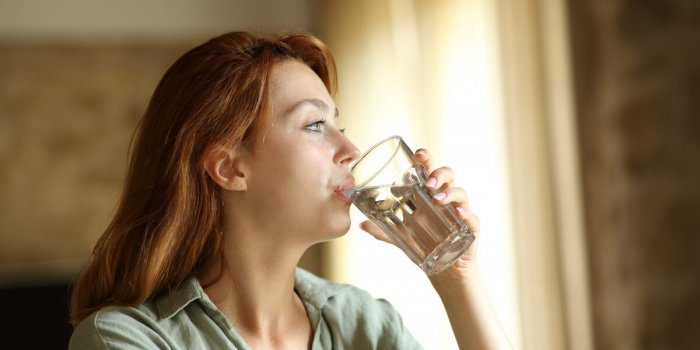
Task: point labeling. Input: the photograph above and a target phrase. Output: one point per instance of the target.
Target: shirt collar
(178, 298)
(315, 290)
(311, 289)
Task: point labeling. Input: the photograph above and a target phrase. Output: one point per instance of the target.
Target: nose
(347, 152)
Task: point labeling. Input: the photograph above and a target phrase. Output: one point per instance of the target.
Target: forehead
(292, 81)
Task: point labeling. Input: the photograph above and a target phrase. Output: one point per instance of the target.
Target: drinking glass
(391, 192)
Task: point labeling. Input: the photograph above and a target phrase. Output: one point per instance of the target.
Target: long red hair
(169, 222)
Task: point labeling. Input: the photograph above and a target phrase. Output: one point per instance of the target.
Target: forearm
(473, 321)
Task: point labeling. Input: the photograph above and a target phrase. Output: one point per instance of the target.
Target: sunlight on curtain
(428, 71)
(473, 139)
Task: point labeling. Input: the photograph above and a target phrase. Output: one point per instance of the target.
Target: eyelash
(316, 125)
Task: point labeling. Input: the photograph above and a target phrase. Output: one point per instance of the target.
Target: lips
(347, 184)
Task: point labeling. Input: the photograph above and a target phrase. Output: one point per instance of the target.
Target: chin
(329, 235)
(335, 224)
(339, 229)
(340, 233)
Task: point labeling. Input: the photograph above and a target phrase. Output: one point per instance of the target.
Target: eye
(316, 126)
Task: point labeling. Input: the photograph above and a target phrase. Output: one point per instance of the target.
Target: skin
(284, 197)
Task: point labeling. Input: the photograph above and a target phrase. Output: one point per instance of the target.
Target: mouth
(344, 186)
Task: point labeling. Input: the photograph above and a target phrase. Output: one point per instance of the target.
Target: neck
(256, 286)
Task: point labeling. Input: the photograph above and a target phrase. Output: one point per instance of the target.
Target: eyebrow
(314, 102)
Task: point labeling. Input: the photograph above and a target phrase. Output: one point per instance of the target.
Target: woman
(237, 168)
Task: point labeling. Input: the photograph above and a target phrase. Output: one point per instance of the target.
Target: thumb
(375, 231)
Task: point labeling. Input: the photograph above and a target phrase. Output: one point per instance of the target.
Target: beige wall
(76, 77)
(162, 20)
(67, 114)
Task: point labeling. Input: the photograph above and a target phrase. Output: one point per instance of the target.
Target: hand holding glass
(392, 194)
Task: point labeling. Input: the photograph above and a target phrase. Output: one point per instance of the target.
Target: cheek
(310, 179)
(296, 174)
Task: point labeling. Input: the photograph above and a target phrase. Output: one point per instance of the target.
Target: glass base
(447, 252)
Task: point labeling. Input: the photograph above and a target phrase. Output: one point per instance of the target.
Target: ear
(225, 167)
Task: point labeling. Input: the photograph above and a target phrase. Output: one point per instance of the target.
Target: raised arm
(460, 287)
(473, 321)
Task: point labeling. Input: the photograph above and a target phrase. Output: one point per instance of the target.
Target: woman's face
(302, 160)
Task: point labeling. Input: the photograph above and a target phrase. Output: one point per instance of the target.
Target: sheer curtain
(465, 79)
(426, 70)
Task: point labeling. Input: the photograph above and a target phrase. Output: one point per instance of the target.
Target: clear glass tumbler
(390, 191)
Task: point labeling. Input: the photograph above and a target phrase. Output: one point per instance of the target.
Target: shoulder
(357, 310)
(356, 318)
(118, 327)
(364, 321)
(171, 320)
(342, 298)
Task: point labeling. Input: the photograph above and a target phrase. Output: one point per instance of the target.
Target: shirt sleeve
(124, 330)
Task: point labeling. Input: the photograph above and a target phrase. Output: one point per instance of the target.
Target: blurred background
(573, 124)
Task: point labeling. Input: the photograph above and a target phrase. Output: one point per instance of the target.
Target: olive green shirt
(342, 316)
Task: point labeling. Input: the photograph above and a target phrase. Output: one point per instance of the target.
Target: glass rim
(367, 152)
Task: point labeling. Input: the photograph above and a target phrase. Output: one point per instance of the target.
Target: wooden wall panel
(637, 73)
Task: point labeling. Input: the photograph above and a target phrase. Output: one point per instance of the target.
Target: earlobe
(225, 168)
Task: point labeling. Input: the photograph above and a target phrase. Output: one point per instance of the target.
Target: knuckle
(442, 169)
(446, 169)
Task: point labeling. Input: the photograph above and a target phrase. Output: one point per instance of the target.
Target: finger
(452, 195)
(458, 198)
(375, 231)
(424, 158)
(470, 219)
(440, 178)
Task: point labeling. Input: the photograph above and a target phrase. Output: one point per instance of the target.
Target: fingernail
(440, 196)
(462, 211)
(420, 152)
(431, 182)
